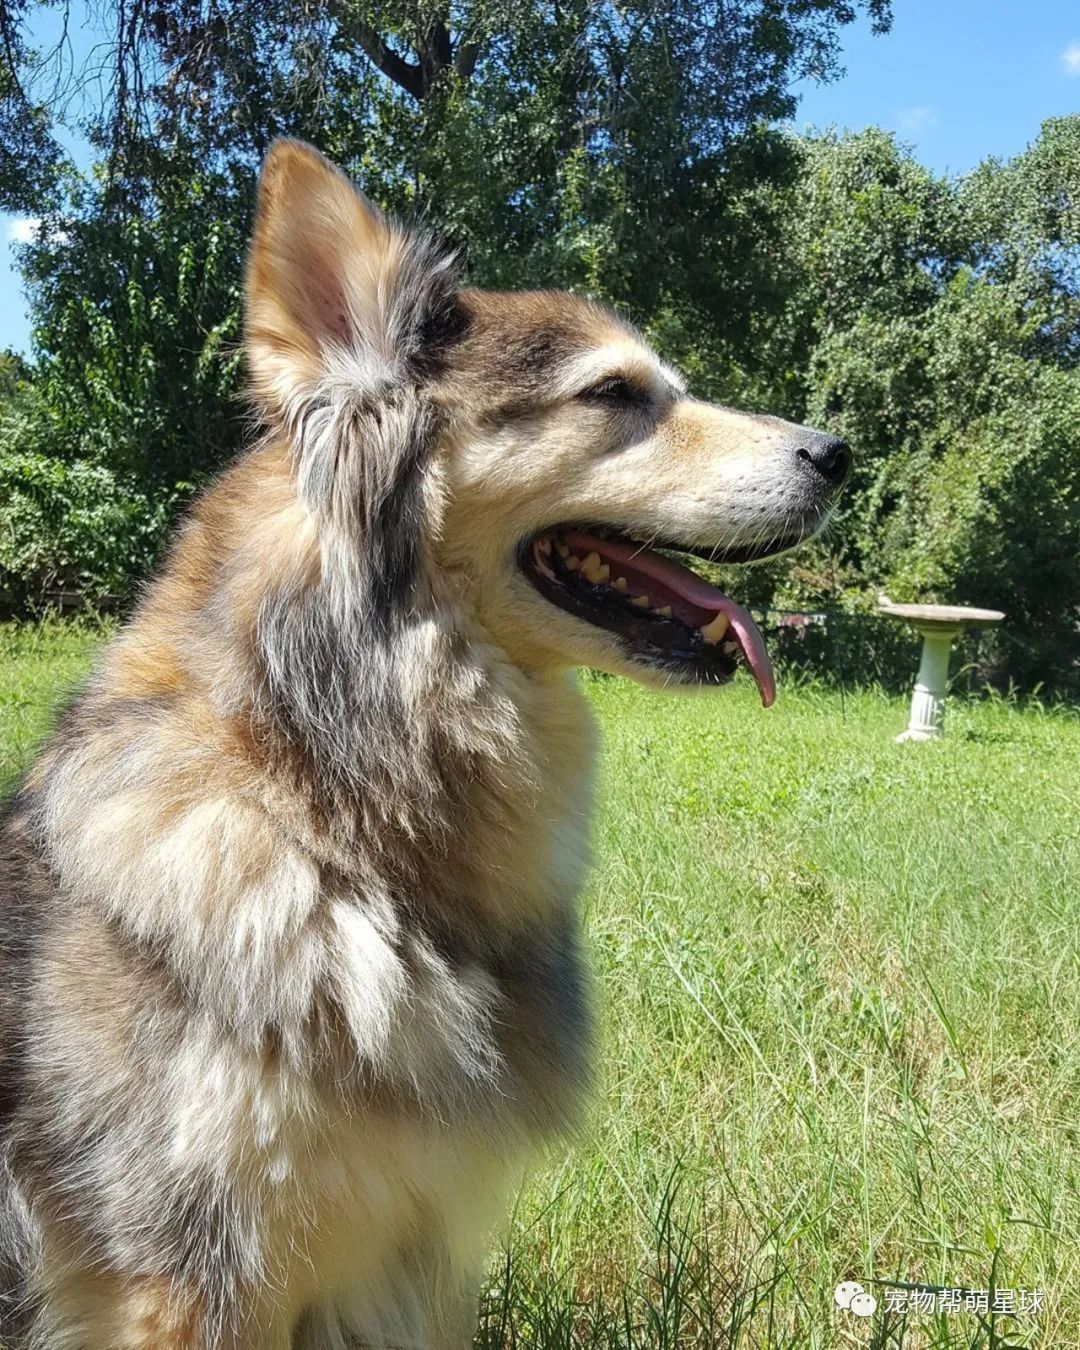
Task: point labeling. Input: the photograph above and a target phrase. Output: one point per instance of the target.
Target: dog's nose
(829, 455)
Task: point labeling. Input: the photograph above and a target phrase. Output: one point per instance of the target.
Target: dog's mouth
(666, 615)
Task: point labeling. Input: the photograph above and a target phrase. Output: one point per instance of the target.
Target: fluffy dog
(290, 980)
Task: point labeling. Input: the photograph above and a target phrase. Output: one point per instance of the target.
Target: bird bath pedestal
(938, 624)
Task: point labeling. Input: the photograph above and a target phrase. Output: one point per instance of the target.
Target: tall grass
(839, 982)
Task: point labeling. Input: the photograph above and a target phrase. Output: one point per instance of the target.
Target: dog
(291, 985)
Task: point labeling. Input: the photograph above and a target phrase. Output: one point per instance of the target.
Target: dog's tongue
(695, 591)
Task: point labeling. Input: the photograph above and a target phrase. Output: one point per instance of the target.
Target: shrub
(71, 526)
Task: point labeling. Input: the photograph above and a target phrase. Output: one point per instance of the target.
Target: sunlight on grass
(842, 1020)
(40, 666)
(840, 992)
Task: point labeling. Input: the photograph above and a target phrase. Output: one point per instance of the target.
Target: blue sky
(957, 79)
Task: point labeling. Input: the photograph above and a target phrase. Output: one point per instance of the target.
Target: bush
(71, 527)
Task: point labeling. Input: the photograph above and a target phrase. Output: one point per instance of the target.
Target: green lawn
(39, 667)
(840, 988)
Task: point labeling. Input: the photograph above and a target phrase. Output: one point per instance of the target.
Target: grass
(39, 666)
(840, 993)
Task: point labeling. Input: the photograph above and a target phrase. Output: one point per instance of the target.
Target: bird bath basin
(938, 624)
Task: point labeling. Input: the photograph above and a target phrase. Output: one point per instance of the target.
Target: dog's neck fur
(419, 738)
(441, 819)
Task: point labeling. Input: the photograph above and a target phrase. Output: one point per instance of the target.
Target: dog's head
(530, 445)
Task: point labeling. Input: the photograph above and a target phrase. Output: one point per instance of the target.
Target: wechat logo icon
(855, 1299)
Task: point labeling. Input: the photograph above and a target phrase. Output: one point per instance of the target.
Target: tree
(138, 335)
(575, 143)
(941, 321)
(28, 154)
(15, 374)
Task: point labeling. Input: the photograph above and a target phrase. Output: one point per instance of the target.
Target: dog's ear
(334, 288)
(348, 316)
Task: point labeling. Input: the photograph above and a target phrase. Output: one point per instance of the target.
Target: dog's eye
(615, 389)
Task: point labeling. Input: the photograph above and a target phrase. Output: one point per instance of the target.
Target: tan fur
(140, 1314)
(299, 871)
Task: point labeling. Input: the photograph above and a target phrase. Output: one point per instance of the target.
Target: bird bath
(938, 624)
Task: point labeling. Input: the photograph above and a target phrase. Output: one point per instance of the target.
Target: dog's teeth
(544, 545)
(640, 602)
(573, 562)
(715, 629)
(564, 551)
(730, 649)
(665, 612)
(591, 567)
(604, 573)
(620, 584)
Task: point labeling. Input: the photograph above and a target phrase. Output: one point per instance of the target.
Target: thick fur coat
(290, 974)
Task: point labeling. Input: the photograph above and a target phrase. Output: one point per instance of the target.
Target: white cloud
(27, 230)
(1070, 59)
(917, 118)
(23, 230)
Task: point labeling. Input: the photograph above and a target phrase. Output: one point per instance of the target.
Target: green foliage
(70, 526)
(942, 321)
(135, 394)
(138, 325)
(29, 157)
(632, 153)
